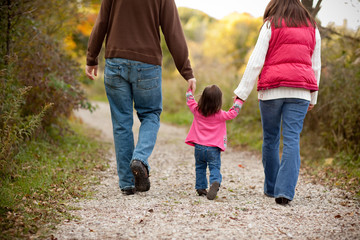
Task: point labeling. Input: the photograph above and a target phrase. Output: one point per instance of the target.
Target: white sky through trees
(331, 11)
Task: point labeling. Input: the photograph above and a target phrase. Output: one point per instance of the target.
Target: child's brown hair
(210, 101)
(291, 11)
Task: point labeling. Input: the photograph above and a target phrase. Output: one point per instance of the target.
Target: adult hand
(192, 84)
(311, 106)
(89, 71)
(236, 97)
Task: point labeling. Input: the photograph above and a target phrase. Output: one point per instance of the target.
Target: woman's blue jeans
(281, 176)
(204, 157)
(132, 84)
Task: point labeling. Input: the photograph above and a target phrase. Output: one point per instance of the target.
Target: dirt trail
(172, 210)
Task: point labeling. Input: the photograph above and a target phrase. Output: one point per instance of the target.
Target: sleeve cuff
(239, 101)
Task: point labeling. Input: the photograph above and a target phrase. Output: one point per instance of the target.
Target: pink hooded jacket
(209, 131)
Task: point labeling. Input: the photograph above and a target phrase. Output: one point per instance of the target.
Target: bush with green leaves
(36, 30)
(335, 120)
(36, 71)
(15, 128)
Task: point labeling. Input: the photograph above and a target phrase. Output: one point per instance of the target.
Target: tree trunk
(8, 32)
(308, 4)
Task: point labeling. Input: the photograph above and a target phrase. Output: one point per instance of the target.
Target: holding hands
(311, 106)
(192, 84)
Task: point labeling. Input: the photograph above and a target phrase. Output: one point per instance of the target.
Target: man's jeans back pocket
(148, 77)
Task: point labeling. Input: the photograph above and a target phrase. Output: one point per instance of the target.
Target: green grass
(244, 136)
(95, 90)
(48, 173)
(182, 118)
(341, 171)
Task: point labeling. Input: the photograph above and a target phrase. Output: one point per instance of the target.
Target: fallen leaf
(241, 166)
(338, 216)
(281, 231)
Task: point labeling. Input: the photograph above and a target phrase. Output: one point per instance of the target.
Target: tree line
(42, 43)
(39, 79)
(220, 50)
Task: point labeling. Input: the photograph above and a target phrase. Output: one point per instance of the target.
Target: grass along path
(172, 210)
(46, 174)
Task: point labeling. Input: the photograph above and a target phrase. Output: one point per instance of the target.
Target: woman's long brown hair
(210, 101)
(292, 12)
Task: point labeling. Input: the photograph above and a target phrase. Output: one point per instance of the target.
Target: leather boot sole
(211, 195)
(142, 182)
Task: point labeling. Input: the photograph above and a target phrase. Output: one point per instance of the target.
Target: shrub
(335, 119)
(15, 128)
(36, 71)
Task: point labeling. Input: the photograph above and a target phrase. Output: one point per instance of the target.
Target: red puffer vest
(288, 60)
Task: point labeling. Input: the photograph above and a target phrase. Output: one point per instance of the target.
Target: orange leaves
(86, 26)
(69, 43)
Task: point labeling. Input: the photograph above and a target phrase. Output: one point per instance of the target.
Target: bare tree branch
(316, 9)
(326, 31)
(308, 4)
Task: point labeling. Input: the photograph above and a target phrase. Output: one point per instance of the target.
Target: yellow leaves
(328, 161)
(82, 30)
(229, 39)
(69, 43)
(92, 9)
(89, 15)
(241, 69)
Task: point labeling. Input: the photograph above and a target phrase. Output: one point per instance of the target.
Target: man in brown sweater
(133, 76)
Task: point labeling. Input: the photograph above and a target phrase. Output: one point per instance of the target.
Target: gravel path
(172, 210)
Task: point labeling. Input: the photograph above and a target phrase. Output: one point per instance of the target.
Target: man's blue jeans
(281, 176)
(207, 156)
(132, 84)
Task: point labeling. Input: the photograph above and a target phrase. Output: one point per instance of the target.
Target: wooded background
(43, 46)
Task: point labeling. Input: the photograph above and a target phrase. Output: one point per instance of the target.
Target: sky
(334, 11)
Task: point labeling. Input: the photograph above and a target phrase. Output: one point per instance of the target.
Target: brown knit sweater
(132, 30)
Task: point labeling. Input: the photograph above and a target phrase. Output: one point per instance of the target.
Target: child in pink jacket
(208, 135)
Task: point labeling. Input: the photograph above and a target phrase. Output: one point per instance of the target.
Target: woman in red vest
(287, 63)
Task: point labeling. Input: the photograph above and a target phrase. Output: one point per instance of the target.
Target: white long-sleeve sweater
(256, 62)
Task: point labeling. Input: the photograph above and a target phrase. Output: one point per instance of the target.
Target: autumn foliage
(219, 52)
(35, 56)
